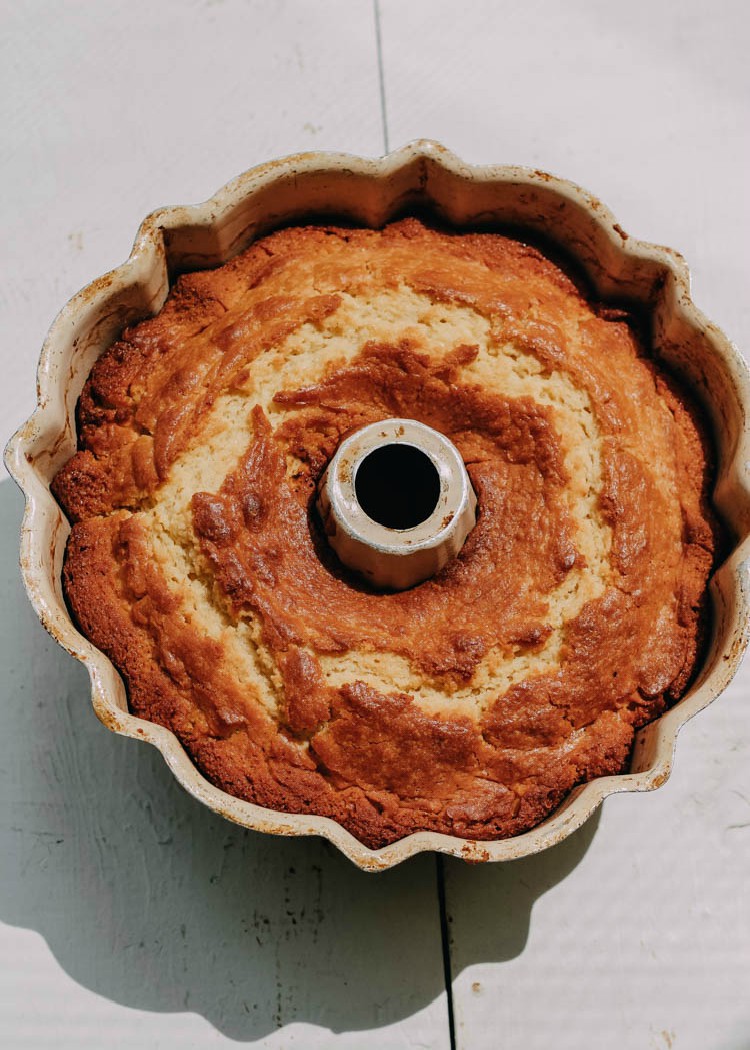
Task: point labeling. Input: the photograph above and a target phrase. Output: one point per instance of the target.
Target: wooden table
(133, 917)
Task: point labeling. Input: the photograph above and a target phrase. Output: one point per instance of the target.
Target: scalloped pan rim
(371, 191)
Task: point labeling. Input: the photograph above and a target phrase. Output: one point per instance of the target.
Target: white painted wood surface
(130, 915)
(133, 917)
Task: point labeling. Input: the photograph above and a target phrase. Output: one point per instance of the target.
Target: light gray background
(131, 916)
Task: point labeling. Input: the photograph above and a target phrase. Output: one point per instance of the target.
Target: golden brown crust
(470, 704)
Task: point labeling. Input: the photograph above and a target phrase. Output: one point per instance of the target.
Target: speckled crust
(474, 702)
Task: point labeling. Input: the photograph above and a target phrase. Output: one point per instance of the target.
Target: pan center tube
(396, 502)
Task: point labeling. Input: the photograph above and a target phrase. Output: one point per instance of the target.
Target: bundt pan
(423, 175)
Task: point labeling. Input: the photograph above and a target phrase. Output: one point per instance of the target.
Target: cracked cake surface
(474, 702)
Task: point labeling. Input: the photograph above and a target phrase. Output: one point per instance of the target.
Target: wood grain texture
(113, 109)
(153, 903)
(647, 108)
(637, 935)
(638, 927)
(646, 940)
(133, 916)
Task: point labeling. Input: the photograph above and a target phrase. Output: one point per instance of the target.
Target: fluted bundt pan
(652, 280)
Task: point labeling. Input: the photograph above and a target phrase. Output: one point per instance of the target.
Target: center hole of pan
(397, 485)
